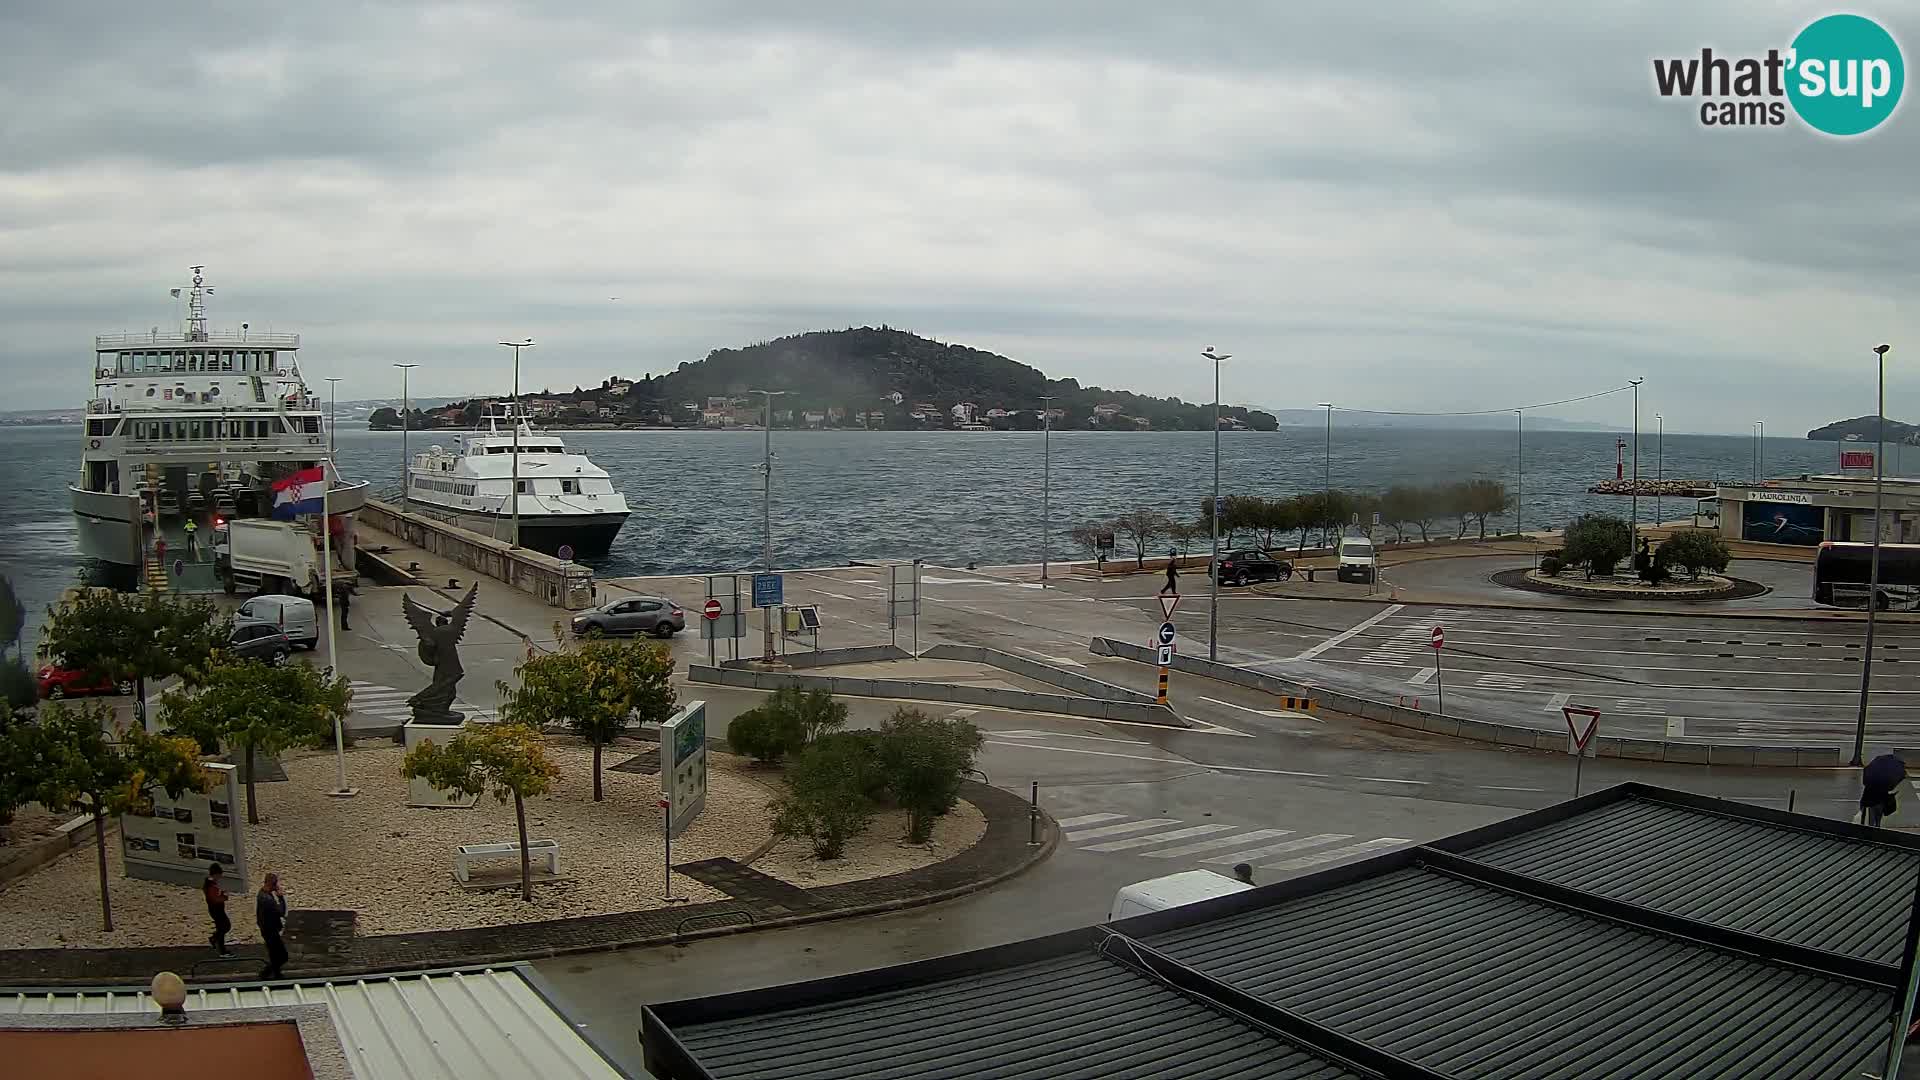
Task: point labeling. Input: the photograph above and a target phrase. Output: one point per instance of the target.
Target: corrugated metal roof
(464, 1024)
(1477, 982)
(1078, 1017)
(1778, 881)
(1633, 933)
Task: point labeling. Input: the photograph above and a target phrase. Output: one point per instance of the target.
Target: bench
(536, 849)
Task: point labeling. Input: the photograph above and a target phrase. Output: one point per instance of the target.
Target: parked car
(292, 615)
(260, 641)
(654, 615)
(59, 682)
(1247, 567)
(1358, 562)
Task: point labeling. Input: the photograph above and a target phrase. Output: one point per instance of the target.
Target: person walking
(1877, 783)
(217, 908)
(1173, 576)
(1243, 872)
(346, 602)
(270, 911)
(193, 540)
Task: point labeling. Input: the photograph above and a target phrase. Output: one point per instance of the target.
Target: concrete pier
(436, 546)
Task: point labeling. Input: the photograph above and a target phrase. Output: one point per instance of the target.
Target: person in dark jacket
(346, 603)
(270, 911)
(1877, 783)
(217, 908)
(1173, 577)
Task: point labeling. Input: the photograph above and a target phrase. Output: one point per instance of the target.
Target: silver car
(654, 615)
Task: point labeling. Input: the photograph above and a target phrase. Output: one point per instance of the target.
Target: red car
(59, 682)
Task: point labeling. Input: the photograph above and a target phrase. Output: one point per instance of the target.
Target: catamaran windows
(521, 486)
(567, 487)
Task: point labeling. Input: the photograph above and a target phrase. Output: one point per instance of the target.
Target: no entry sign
(711, 609)
(1439, 637)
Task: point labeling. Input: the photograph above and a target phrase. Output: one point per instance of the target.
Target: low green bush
(826, 799)
(756, 734)
(1551, 566)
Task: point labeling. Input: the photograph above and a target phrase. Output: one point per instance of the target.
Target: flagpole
(340, 788)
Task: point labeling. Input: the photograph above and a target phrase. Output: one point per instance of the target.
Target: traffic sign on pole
(1439, 679)
(565, 554)
(1167, 604)
(1582, 722)
(1167, 633)
(1439, 637)
(711, 609)
(767, 590)
(1163, 656)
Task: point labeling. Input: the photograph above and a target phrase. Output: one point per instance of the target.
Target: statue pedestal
(421, 793)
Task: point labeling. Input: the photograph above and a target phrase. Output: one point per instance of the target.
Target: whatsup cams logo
(1842, 75)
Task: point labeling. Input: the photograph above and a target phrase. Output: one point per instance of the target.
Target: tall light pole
(333, 402)
(1660, 465)
(516, 346)
(1635, 383)
(766, 512)
(1326, 487)
(1520, 470)
(1046, 483)
(406, 479)
(1873, 571)
(1760, 451)
(1213, 563)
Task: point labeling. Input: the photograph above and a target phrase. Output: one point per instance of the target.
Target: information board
(175, 840)
(683, 766)
(767, 590)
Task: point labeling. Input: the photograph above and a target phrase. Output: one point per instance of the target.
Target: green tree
(18, 688)
(1400, 507)
(67, 761)
(785, 724)
(258, 708)
(1477, 499)
(1696, 550)
(1598, 540)
(754, 734)
(595, 690)
(1087, 537)
(13, 617)
(1185, 534)
(924, 761)
(507, 760)
(827, 800)
(121, 637)
(1141, 527)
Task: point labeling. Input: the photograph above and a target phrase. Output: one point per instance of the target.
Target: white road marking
(1088, 819)
(1157, 838)
(1556, 701)
(1337, 854)
(1078, 835)
(1422, 677)
(1219, 842)
(1360, 628)
(1251, 854)
(1669, 631)
(1282, 714)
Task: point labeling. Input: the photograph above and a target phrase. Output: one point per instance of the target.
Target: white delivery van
(292, 614)
(1161, 893)
(1356, 559)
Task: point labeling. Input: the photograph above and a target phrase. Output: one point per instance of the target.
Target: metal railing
(224, 337)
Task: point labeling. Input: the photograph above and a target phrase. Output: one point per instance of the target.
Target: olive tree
(923, 761)
(595, 690)
(507, 760)
(1142, 527)
(1598, 540)
(1696, 550)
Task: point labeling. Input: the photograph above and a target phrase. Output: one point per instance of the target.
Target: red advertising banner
(1856, 459)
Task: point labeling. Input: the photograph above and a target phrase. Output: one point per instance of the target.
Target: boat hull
(108, 525)
(589, 535)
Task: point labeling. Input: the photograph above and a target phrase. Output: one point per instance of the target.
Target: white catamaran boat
(564, 499)
(196, 425)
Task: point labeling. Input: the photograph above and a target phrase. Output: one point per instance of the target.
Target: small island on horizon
(1864, 429)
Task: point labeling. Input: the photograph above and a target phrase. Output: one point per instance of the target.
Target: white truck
(266, 556)
(1173, 890)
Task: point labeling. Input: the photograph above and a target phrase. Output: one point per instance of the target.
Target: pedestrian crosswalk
(390, 705)
(1403, 648)
(1216, 844)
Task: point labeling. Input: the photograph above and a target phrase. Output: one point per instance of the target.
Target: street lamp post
(1873, 571)
(1520, 470)
(1635, 383)
(1046, 484)
(1760, 451)
(1326, 486)
(406, 481)
(1213, 563)
(333, 402)
(516, 346)
(766, 512)
(1659, 466)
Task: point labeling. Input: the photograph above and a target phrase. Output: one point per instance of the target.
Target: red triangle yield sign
(1167, 604)
(1582, 722)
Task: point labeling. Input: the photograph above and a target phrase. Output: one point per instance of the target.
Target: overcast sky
(1406, 205)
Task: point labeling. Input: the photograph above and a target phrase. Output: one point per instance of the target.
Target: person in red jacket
(217, 908)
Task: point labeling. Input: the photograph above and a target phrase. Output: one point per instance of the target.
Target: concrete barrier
(550, 580)
(947, 693)
(1692, 752)
(1037, 671)
(860, 654)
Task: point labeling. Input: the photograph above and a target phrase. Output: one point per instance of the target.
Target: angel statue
(439, 634)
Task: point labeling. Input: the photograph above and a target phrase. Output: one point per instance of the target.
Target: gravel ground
(394, 864)
(877, 852)
(31, 823)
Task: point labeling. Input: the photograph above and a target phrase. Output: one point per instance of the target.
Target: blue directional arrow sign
(1166, 633)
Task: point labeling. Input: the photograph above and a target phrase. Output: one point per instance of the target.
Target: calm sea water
(946, 496)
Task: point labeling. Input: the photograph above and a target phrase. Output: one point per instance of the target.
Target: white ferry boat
(564, 499)
(194, 426)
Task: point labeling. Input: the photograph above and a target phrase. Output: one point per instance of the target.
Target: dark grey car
(654, 615)
(260, 641)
